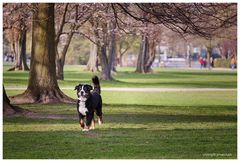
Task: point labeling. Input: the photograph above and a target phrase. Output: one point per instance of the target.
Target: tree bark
(60, 61)
(151, 56)
(146, 55)
(102, 50)
(92, 64)
(19, 49)
(106, 71)
(23, 51)
(142, 57)
(8, 108)
(42, 85)
(112, 48)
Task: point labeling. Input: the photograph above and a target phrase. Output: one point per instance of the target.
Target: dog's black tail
(96, 84)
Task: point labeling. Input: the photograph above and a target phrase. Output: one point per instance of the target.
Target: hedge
(223, 63)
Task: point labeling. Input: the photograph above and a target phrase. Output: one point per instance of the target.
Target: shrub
(223, 63)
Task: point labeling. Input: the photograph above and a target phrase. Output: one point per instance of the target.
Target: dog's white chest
(82, 108)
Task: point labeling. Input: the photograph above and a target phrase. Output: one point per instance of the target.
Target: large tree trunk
(146, 55)
(143, 52)
(42, 85)
(23, 51)
(151, 56)
(106, 71)
(92, 64)
(8, 108)
(112, 48)
(19, 49)
(95, 51)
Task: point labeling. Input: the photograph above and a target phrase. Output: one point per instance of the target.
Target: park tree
(92, 64)
(201, 19)
(8, 108)
(15, 26)
(92, 34)
(42, 85)
(105, 53)
(103, 35)
(124, 43)
(69, 20)
(150, 37)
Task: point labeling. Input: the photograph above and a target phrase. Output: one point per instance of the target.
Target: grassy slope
(137, 125)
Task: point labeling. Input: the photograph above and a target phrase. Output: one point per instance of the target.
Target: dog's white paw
(92, 128)
(100, 122)
(85, 130)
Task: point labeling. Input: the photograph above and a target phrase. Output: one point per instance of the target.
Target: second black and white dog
(89, 101)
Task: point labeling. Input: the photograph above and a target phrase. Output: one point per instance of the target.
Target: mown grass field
(126, 77)
(149, 125)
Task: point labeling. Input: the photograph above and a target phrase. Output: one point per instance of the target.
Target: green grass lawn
(149, 125)
(127, 78)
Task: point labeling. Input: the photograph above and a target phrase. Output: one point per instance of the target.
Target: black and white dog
(89, 101)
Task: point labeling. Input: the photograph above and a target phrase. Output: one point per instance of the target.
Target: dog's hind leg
(99, 113)
(100, 120)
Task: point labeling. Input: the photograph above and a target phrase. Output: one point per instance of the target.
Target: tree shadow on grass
(150, 116)
(156, 118)
(131, 118)
(138, 114)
